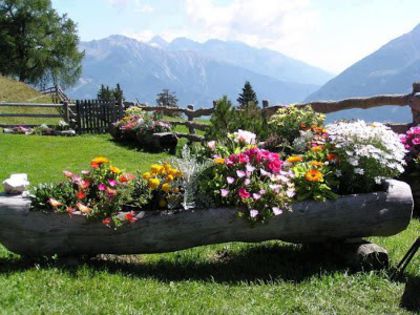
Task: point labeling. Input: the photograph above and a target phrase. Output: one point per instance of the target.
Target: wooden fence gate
(95, 116)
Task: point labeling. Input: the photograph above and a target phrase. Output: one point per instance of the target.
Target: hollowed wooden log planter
(30, 233)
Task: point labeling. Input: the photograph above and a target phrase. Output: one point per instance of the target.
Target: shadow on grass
(262, 263)
(132, 145)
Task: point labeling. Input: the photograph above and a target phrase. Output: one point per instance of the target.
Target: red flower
(130, 217)
(243, 193)
(80, 195)
(107, 221)
(126, 178)
(275, 166)
(84, 184)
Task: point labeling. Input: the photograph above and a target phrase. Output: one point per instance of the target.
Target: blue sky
(331, 34)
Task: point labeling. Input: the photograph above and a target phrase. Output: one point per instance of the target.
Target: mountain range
(197, 72)
(390, 69)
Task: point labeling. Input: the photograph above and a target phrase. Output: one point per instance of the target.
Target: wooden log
(42, 105)
(190, 137)
(195, 125)
(31, 115)
(360, 102)
(363, 255)
(30, 233)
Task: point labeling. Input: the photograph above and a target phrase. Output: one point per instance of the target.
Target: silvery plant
(191, 169)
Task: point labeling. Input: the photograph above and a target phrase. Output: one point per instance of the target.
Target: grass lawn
(234, 278)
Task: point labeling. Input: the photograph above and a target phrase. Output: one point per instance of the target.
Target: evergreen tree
(222, 120)
(166, 98)
(247, 97)
(106, 93)
(37, 45)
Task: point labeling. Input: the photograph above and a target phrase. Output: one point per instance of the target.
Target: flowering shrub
(288, 121)
(411, 142)
(367, 154)
(314, 173)
(253, 179)
(102, 192)
(138, 125)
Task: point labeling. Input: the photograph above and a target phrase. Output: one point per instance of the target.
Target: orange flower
(316, 164)
(82, 208)
(317, 148)
(314, 176)
(54, 203)
(80, 195)
(295, 159)
(126, 178)
(98, 161)
(331, 157)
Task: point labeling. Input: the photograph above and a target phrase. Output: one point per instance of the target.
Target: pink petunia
(102, 187)
(68, 174)
(224, 193)
(240, 173)
(230, 180)
(243, 193)
(256, 196)
(253, 213)
(112, 182)
(277, 211)
(247, 181)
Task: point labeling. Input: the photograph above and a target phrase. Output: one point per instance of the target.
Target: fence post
(265, 103)
(120, 108)
(190, 119)
(415, 103)
(66, 112)
(79, 123)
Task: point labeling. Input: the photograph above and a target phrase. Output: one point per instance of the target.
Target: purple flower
(224, 192)
(253, 213)
(102, 187)
(230, 180)
(277, 211)
(112, 182)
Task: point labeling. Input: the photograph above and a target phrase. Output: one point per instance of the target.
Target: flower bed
(63, 129)
(145, 130)
(331, 182)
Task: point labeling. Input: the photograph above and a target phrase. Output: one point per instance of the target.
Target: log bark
(30, 233)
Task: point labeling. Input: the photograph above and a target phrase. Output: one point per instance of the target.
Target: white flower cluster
(300, 144)
(367, 146)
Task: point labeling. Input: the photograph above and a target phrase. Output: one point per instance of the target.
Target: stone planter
(382, 213)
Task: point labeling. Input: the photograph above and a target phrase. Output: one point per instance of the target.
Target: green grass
(18, 92)
(233, 278)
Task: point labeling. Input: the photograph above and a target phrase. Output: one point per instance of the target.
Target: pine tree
(247, 97)
(37, 45)
(166, 98)
(222, 120)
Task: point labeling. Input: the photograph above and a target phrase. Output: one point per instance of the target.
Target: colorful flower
(166, 187)
(295, 159)
(219, 160)
(115, 170)
(314, 176)
(243, 193)
(98, 161)
(224, 192)
(154, 183)
(54, 203)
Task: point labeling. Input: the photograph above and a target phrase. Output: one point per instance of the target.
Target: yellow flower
(170, 178)
(219, 160)
(294, 159)
(162, 203)
(154, 183)
(147, 175)
(115, 170)
(314, 176)
(156, 168)
(176, 190)
(98, 161)
(166, 187)
(316, 164)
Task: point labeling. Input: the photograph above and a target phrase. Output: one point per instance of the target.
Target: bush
(287, 122)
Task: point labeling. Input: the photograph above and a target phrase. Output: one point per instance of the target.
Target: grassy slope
(268, 278)
(13, 91)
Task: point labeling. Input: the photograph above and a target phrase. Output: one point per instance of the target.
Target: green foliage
(222, 120)
(106, 93)
(247, 96)
(37, 45)
(288, 121)
(227, 119)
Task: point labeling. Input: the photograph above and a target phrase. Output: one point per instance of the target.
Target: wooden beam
(31, 115)
(3, 104)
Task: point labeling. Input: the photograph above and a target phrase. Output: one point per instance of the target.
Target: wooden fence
(94, 116)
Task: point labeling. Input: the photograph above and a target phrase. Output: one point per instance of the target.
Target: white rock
(16, 184)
